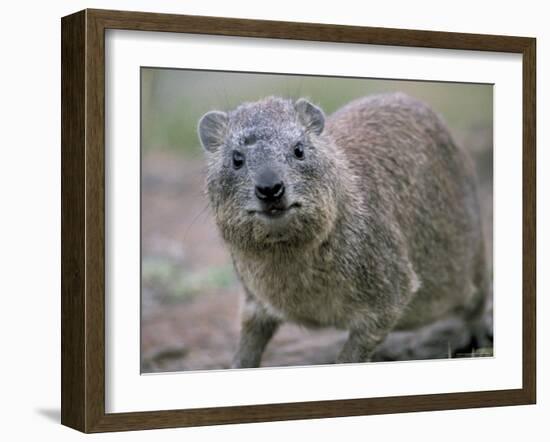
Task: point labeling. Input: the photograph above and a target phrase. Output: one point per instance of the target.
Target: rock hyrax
(367, 220)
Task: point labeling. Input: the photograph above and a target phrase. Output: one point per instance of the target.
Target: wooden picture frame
(83, 220)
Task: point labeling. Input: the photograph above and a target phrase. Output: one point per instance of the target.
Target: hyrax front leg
(257, 328)
(370, 326)
(359, 347)
(364, 338)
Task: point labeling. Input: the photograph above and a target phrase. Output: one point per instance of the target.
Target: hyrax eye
(249, 140)
(238, 159)
(299, 150)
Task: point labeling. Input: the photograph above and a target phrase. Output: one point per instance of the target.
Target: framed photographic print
(270, 220)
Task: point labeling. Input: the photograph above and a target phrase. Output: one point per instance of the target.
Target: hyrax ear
(310, 116)
(212, 130)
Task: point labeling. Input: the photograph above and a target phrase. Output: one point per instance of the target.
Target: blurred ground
(190, 295)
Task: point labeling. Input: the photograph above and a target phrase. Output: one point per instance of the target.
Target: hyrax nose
(269, 186)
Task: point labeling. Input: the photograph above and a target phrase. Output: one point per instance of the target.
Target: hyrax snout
(367, 220)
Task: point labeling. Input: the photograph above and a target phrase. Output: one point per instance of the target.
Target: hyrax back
(367, 220)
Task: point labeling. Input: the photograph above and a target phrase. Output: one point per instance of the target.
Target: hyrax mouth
(274, 210)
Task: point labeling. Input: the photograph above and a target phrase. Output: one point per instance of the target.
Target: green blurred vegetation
(173, 99)
(173, 283)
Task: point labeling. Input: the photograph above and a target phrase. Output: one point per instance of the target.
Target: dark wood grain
(95, 221)
(529, 221)
(146, 21)
(73, 128)
(83, 220)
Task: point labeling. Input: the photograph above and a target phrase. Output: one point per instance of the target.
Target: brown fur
(387, 235)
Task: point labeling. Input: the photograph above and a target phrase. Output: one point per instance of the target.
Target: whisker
(194, 220)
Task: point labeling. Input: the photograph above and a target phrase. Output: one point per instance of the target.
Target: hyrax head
(269, 173)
